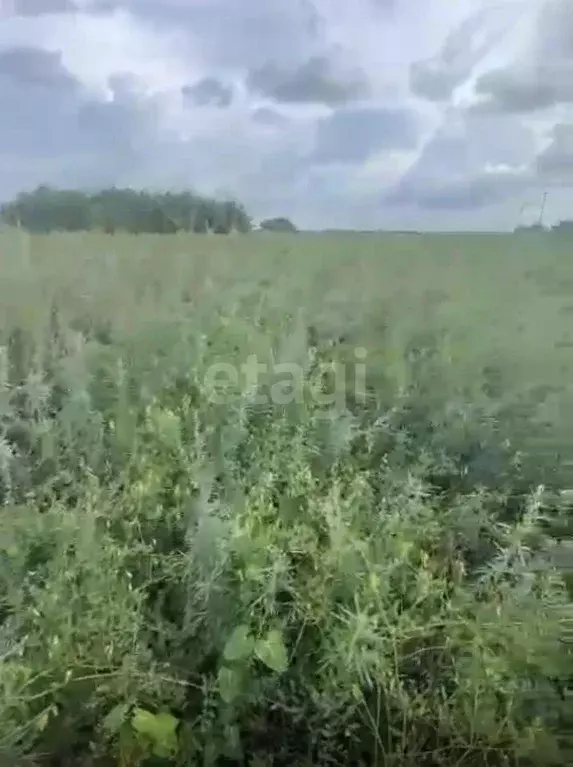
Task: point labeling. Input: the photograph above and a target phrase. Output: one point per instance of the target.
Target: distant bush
(278, 225)
(563, 228)
(139, 212)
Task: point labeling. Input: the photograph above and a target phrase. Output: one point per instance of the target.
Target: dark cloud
(436, 78)
(237, 33)
(555, 30)
(433, 81)
(526, 89)
(354, 135)
(386, 5)
(39, 7)
(545, 78)
(315, 81)
(38, 97)
(555, 164)
(462, 193)
(119, 126)
(36, 104)
(52, 131)
(209, 92)
(97, 7)
(266, 116)
(28, 66)
(496, 140)
(469, 142)
(471, 163)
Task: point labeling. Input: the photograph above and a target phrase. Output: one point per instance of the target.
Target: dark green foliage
(278, 225)
(112, 210)
(564, 228)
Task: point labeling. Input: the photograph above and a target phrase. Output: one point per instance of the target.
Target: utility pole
(542, 211)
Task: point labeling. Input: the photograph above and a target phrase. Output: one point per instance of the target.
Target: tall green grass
(184, 582)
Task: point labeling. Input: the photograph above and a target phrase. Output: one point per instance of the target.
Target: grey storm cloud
(481, 161)
(436, 78)
(266, 116)
(315, 81)
(52, 131)
(526, 89)
(462, 193)
(38, 98)
(354, 135)
(209, 92)
(477, 140)
(237, 33)
(29, 66)
(38, 7)
(545, 78)
(555, 163)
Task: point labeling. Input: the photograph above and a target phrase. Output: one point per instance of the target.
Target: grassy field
(197, 573)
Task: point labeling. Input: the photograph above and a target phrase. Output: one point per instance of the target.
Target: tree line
(562, 227)
(47, 209)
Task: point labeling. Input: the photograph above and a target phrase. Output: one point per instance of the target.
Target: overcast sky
(366, 113)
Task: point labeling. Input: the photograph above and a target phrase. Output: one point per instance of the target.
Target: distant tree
(243, 223)
(279, 224)
(530, 229)
(563, 228)
(222, 222)
(200, 219)
(47, 209)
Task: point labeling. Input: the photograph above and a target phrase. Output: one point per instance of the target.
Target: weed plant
(184, 582)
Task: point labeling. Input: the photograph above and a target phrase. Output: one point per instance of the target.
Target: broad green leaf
(143, 722)
(231, 683)
(159, 729)
(271, 651)
(233, 746)
(240, 645)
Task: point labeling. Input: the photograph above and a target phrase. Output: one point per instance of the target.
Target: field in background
(284, 584)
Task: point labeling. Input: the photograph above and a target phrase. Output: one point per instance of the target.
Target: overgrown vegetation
(139, 212)
(378, 582)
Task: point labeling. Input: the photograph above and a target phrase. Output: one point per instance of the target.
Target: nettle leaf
(159, 729)
(231, 683)
(271, 651)
(115, 718)
(233, 746)
(43, 720)
(240, 645)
